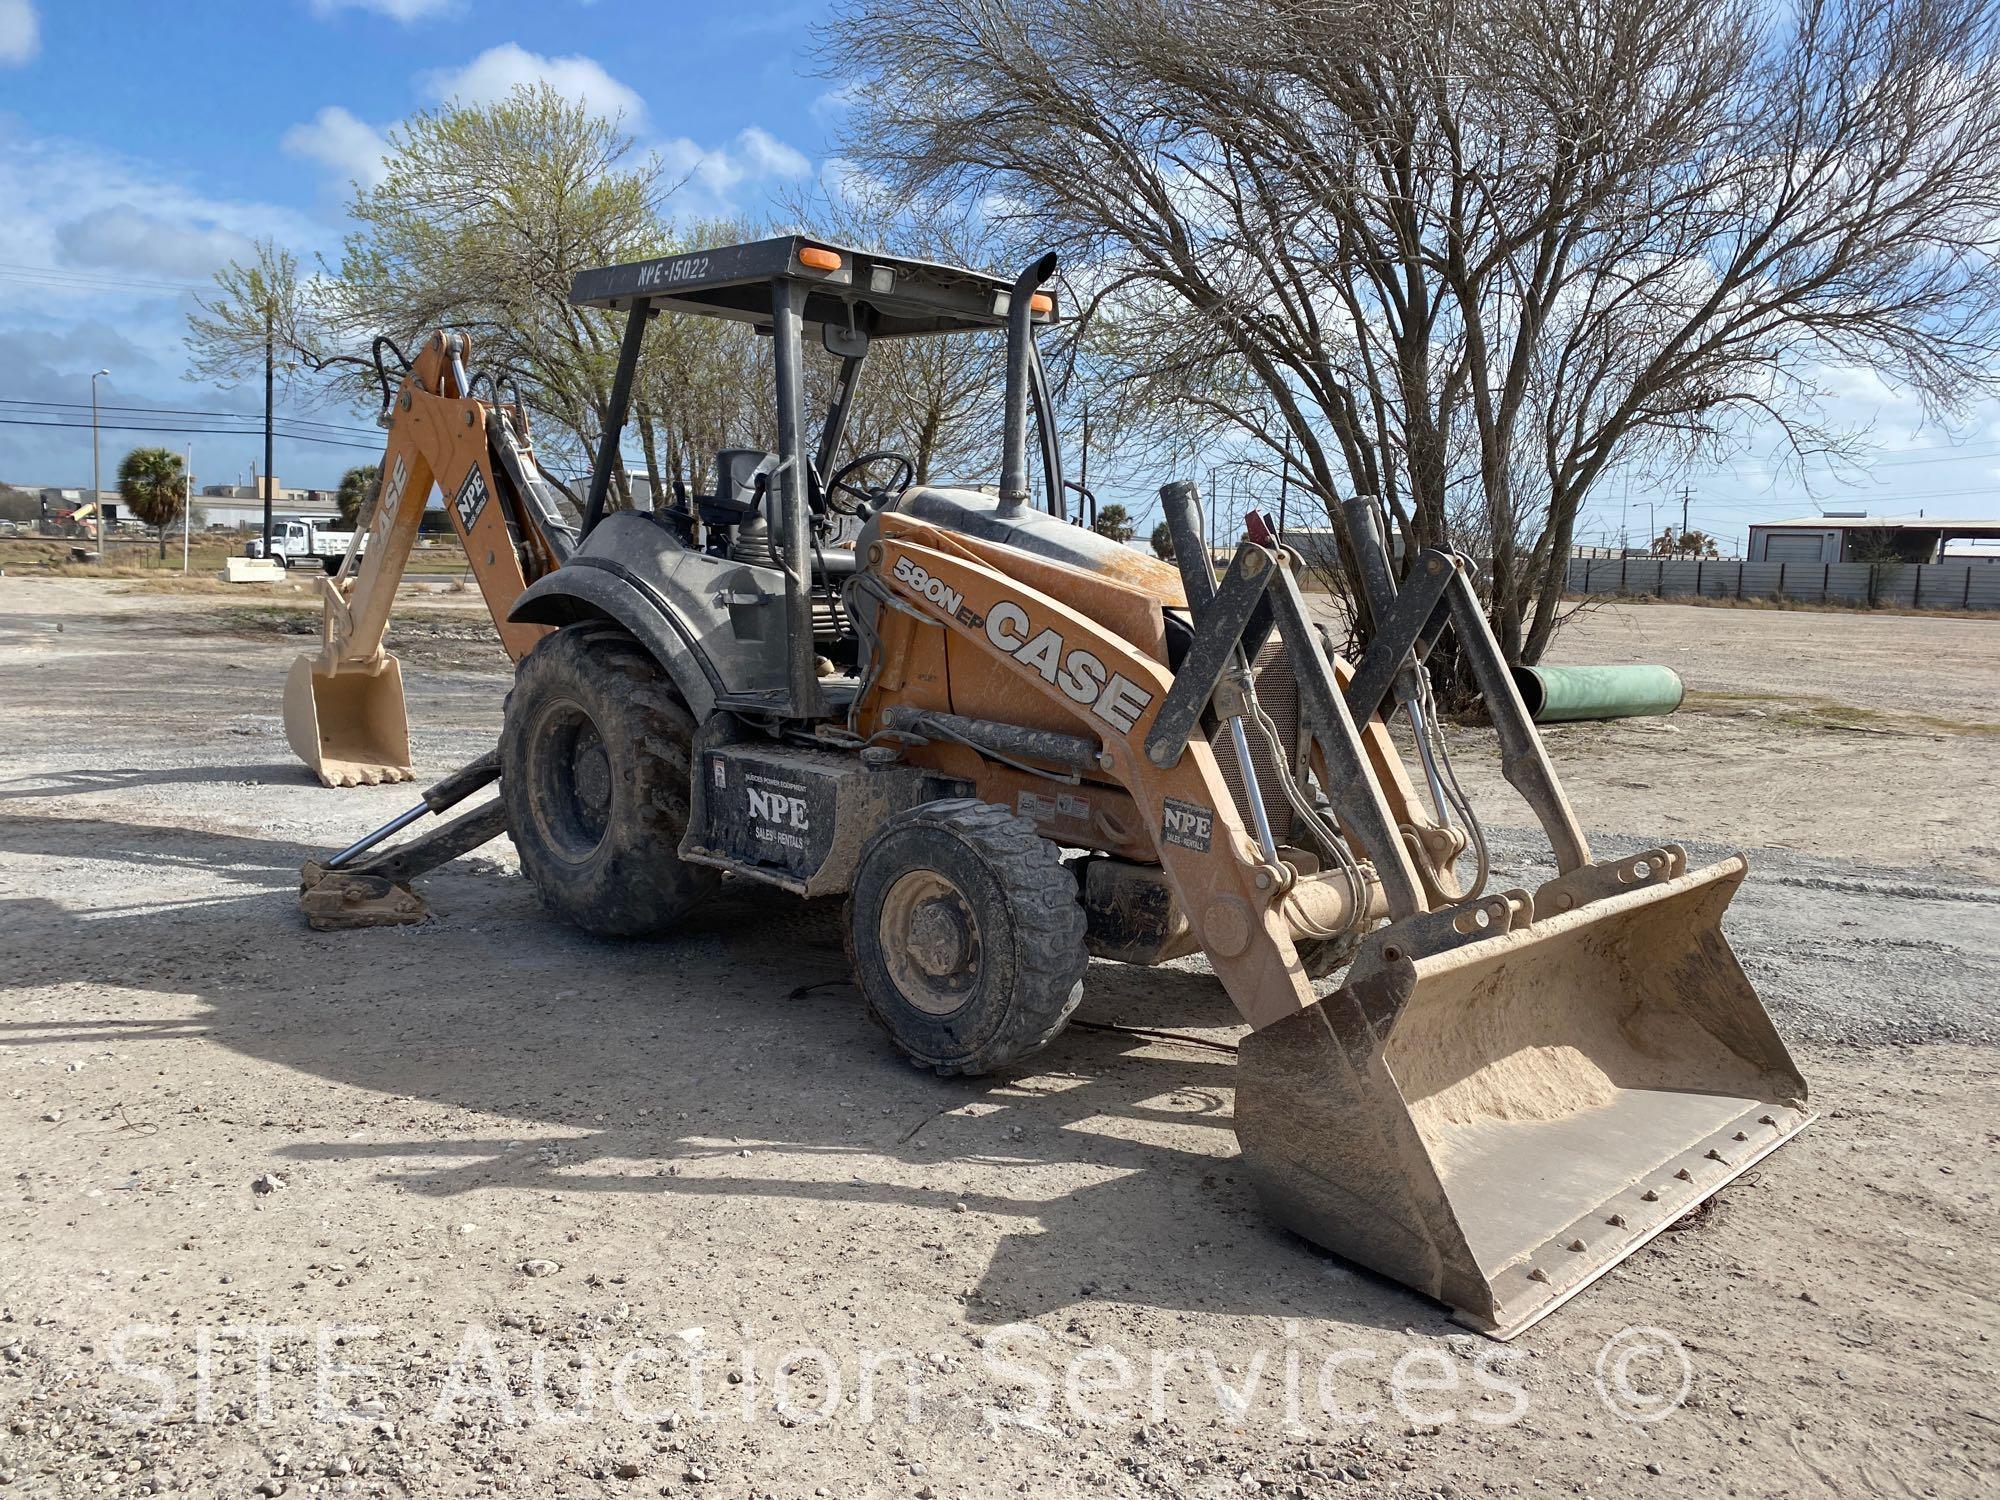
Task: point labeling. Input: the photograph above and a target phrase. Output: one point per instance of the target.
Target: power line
(101, 279)
(181, 411)
(189, 431)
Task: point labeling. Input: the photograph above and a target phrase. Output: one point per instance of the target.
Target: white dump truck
(295, 543)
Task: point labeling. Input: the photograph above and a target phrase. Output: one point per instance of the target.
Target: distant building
(1862, 538)
(298, 505)
(241, 505)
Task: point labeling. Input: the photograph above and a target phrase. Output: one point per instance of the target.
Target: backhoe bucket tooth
(349, 726)
(1499, 1123)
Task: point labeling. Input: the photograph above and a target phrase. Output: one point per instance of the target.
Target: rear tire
(966, 935)
(595, 762)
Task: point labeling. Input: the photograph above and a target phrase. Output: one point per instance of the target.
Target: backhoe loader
(1012, 745)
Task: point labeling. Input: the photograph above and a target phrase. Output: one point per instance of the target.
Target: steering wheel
(860, 499)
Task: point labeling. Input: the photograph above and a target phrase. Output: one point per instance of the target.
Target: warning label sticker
(1033, 805)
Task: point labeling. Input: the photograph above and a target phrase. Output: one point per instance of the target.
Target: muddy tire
(595, 772)
(966, 935)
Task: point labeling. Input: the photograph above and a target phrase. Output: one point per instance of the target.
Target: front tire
(595, 762)
(966, 935)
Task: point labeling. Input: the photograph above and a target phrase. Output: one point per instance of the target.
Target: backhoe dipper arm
(438, 436)
(344, 712)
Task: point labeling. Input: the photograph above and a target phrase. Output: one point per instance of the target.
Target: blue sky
(144, 142)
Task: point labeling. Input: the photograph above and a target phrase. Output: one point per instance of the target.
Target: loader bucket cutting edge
(350, 727)
(1499, 1124)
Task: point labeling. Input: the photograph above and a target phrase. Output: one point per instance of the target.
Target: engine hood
(976, 513)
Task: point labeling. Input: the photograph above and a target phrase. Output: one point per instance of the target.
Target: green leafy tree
(1163, 542)
(356, 494)
(1672, 542)
(483, 217)
(153, 485)
(1115, 522)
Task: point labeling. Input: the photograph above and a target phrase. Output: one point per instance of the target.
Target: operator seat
(741, 476)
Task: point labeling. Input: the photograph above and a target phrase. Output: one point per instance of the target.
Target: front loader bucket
(1500, 1123)
(349, 726)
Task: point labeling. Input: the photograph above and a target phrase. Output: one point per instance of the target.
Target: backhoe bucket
(1501, 1122)
(349, 726)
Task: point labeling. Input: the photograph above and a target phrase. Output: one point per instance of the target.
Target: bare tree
(1469, 256)
(264, 307)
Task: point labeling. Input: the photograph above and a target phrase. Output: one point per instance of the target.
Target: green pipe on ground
(1556, 695)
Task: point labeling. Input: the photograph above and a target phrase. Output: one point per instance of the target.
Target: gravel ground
(388, 1212)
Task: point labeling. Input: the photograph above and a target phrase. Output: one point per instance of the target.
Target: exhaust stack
(1020, 333)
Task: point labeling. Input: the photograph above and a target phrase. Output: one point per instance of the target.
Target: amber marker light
(815, 258)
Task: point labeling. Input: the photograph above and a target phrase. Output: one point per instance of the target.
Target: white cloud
(764, 155)
(405, 11)
(77, 206)
(20, 33)
(834, 103)
(121, 237)
(497, 71)
(114, 245)
(713, 173)
(334, 138)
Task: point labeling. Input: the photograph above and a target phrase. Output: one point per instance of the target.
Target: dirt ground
(485, 1207)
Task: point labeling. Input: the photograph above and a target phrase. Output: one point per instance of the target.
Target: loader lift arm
(1510, 1090)
(344, 713)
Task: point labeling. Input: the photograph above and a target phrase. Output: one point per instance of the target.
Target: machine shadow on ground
(737, 1041)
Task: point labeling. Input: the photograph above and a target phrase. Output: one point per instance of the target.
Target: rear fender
(715, 624)
(573, 594)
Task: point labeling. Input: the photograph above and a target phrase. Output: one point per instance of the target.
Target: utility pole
(268, 382)
(1083, 475)
(1684, 519)
(1284, 484)
(1209, 540)
(96, 475)
(187, 504)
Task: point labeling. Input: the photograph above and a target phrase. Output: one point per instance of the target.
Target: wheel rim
(572, 782)
(930, 942)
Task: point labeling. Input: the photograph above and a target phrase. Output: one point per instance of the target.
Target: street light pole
(97, 475)
(267, 485)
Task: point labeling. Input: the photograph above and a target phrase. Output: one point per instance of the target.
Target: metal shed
(1863, 538)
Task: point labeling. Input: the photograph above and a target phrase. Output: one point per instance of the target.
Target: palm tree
(356, 493)
(153, 484)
